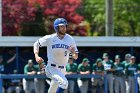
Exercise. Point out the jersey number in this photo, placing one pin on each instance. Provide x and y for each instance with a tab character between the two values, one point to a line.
65	53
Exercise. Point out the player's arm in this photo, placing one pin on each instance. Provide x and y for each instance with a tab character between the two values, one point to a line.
73	52
36	52
75	55
39	43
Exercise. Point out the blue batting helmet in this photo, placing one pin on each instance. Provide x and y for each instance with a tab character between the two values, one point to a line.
58	22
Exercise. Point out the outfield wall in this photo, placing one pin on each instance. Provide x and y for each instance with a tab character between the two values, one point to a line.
81	41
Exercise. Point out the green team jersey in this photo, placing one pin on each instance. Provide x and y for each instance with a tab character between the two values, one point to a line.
139	66
83	68
125	62
29	69
131	69
119	69
108	65
37	68
97	68
71	68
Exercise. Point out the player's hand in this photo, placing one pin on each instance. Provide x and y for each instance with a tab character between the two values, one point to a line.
39	59
72	49
42	66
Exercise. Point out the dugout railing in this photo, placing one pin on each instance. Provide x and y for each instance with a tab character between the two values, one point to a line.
21	76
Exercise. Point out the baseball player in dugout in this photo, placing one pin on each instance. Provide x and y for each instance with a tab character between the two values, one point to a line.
83	69
109	70
131	70
71	69
97	83
119	82
59	46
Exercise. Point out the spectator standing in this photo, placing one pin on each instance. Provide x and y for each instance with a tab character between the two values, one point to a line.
131	70
3	63
71	69
28	84
15	84
109	69
119	83
83	69
98	69
40	82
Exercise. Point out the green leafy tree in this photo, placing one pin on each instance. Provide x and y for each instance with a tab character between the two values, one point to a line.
126	17
94	13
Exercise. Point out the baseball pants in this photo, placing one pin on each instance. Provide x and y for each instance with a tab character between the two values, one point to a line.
57	76
119	85
83	85
138	79
110	80
39	85
131	84
70	87
98	84
28	86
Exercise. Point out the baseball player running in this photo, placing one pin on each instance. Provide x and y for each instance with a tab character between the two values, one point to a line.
59	46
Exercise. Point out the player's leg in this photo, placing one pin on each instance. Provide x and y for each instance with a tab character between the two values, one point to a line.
71	86
9	90
18	89
58	84
133	84
83	85
26	86
101	83
94	84
129	84
57	78
53	87
122	85
62	81
3	90
53	84
110	82
138	79
116	84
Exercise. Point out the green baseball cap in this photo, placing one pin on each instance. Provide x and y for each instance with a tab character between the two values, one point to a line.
99	60
85	60
30	61
128	55
105	55
117	56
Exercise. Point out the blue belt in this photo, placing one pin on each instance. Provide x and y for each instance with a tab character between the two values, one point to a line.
54	65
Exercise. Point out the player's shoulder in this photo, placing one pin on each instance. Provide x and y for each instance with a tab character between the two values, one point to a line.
50	36
69	37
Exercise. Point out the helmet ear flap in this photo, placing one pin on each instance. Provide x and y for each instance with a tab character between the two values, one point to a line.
57	28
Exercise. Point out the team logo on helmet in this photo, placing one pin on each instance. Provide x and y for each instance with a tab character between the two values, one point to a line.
58	22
